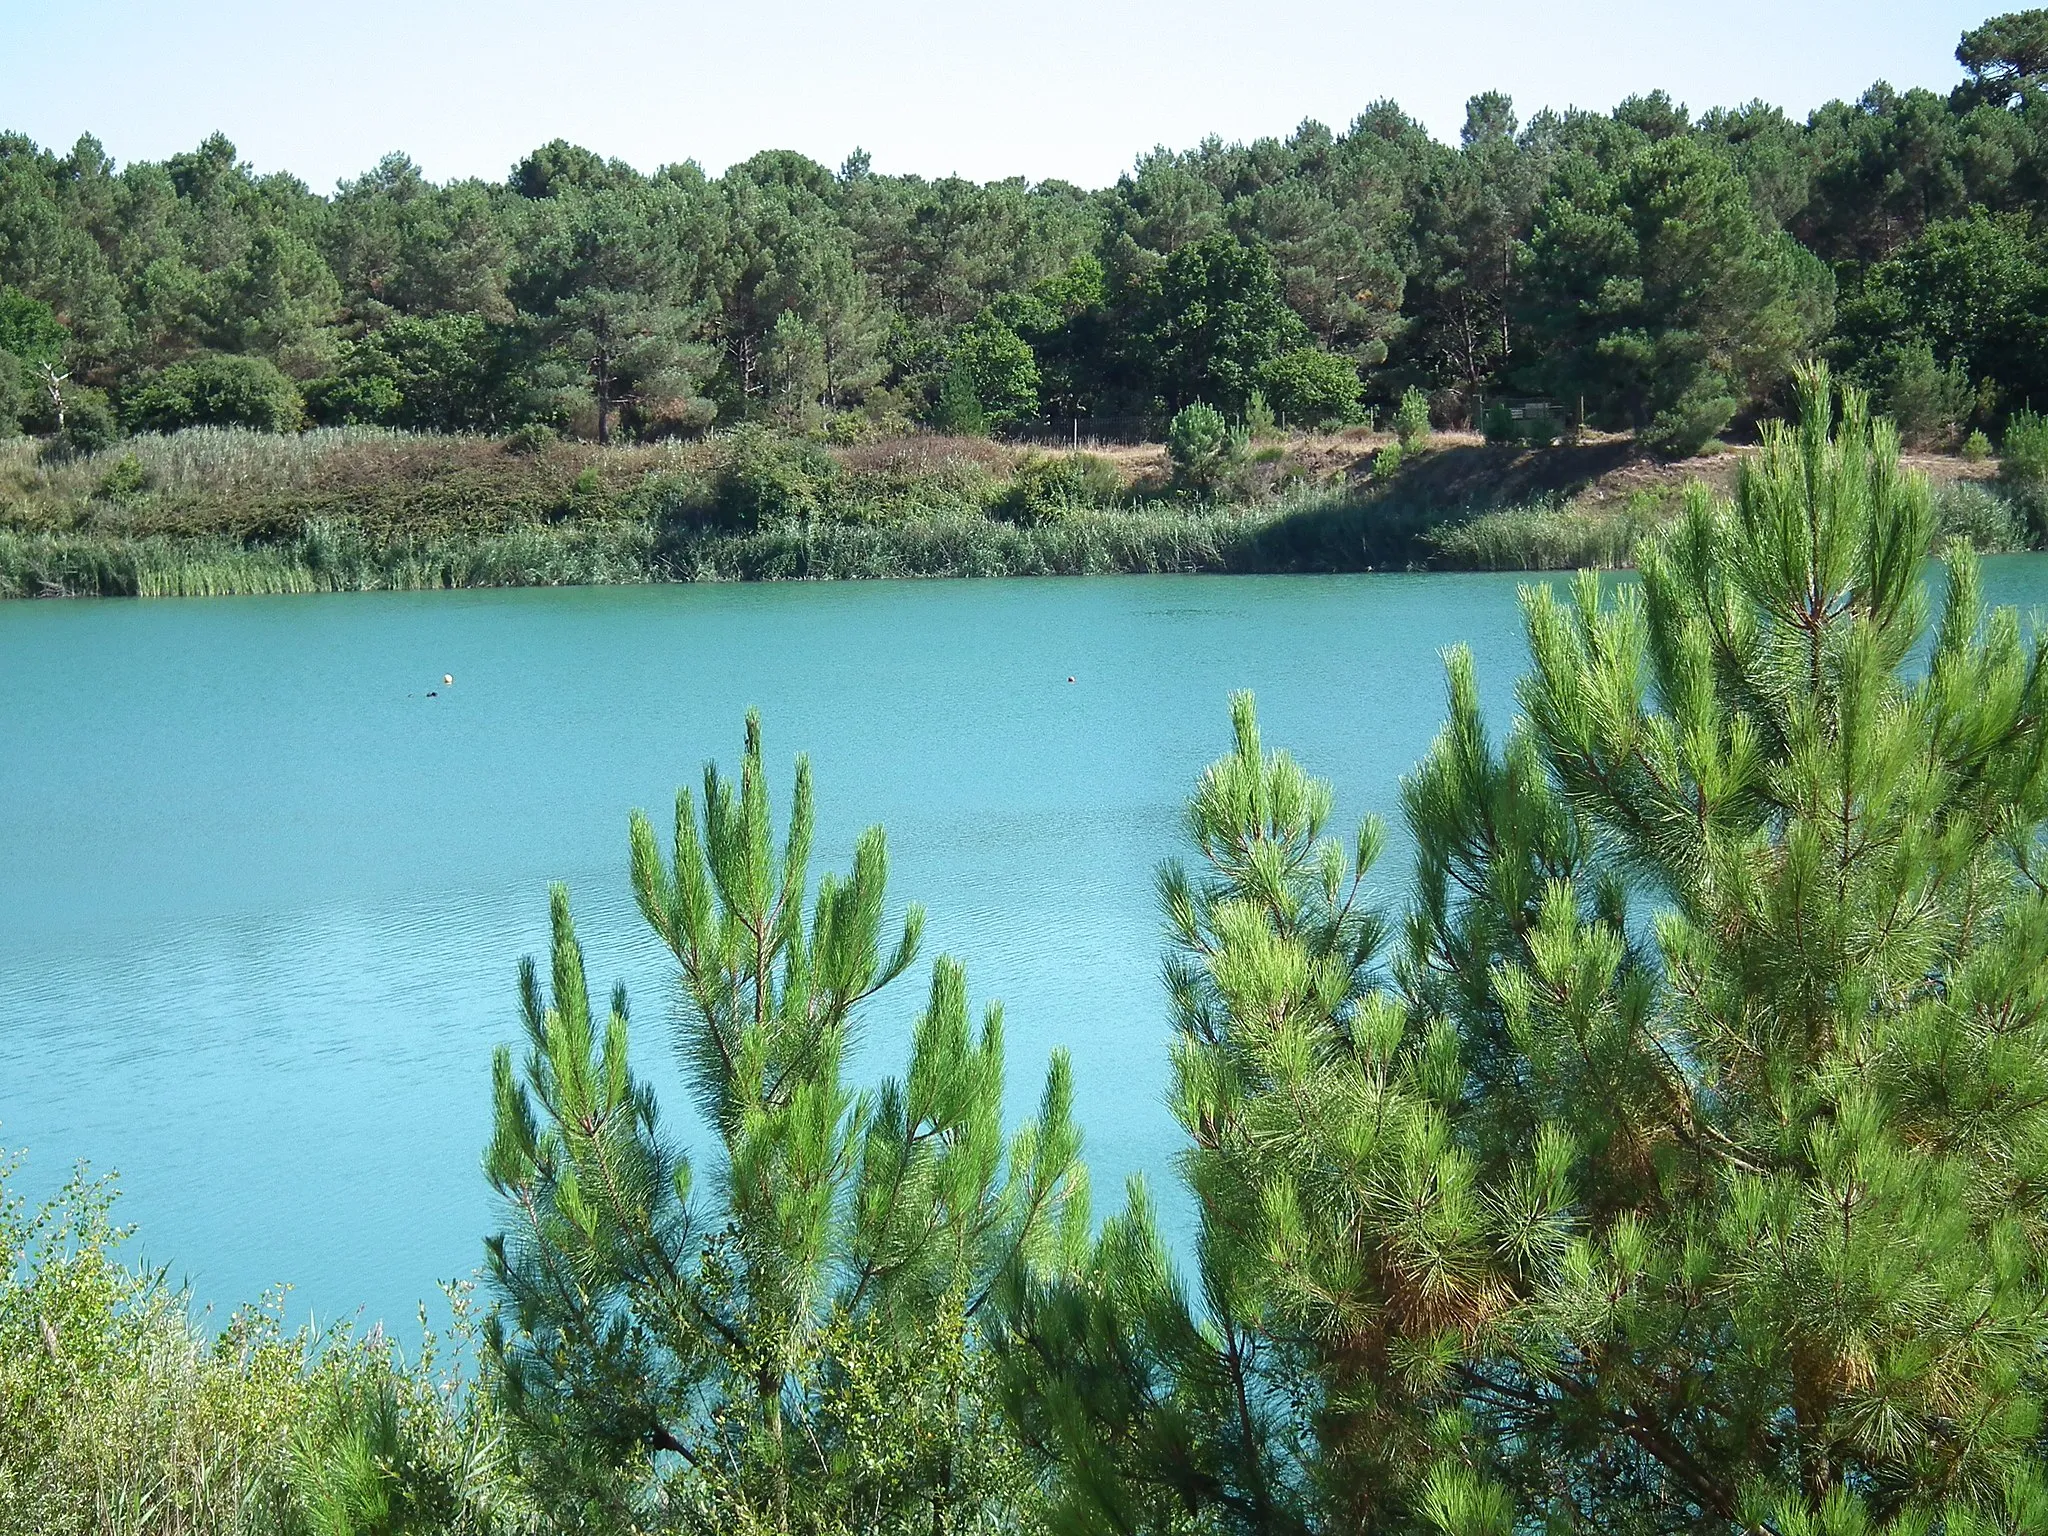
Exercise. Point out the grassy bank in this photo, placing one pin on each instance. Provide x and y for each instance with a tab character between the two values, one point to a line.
207	513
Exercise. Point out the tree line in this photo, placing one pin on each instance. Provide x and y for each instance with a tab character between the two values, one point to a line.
1641	269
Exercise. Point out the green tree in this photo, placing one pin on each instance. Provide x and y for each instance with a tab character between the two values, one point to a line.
1207	319
2006	56
1682	1171
1973	292
1201	444
215	391
1656	293
792	1351
998	365
1411	419
451	373
1311	388
32	372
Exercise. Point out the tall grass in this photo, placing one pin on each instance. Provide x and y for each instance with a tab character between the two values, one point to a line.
1548	536
121	1416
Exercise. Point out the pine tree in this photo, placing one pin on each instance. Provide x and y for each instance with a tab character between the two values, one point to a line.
801	1342
1683	1167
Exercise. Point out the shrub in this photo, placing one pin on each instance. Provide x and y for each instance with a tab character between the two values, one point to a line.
1201	444
124	477
845	429
1498	424
89	423
1992	523
1387	462
765	478
1411	419
2023	454
15	393
1048	488
1692	422
1259	419
998	367
1927	401
1311	387
1976	447
530	440
958	411
216	391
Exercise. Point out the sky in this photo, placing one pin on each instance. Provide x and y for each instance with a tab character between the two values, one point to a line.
1058	88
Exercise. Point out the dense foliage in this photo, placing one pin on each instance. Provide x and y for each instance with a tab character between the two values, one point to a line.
1675	1161
1655	271
1670	1156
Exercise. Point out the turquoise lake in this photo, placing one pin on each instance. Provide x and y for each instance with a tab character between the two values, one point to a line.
264	899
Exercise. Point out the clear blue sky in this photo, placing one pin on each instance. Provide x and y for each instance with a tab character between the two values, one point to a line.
1063	88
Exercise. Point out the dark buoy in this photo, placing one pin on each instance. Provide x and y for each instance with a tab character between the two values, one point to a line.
1070	679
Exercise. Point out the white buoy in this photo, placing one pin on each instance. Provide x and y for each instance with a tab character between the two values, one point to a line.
447	679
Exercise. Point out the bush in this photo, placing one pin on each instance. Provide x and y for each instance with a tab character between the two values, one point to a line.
1498	424
1926	401
958	412
1310	387
530	440
118	1412
1976	447
1689	425
216	391
1201	444
1049	488
1387	462
1411	419
2023	454
766	478
89	424
124	478
15	393
1993	524
997	365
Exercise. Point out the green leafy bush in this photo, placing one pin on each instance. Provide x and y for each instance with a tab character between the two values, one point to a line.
121	1414
958	411
997	365
89	423
1976	447
1498	424
1387	462
124	477
531	439
764	478
1046	488
1310	387
216	391
1411	419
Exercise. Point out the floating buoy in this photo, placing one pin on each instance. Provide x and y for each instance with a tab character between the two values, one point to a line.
1070	679
447	679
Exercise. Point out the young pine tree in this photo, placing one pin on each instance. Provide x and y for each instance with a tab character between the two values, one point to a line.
1685	1169
796	1351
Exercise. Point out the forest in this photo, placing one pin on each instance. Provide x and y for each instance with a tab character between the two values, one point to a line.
1642	270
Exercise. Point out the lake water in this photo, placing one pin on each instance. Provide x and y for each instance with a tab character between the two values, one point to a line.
262	900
